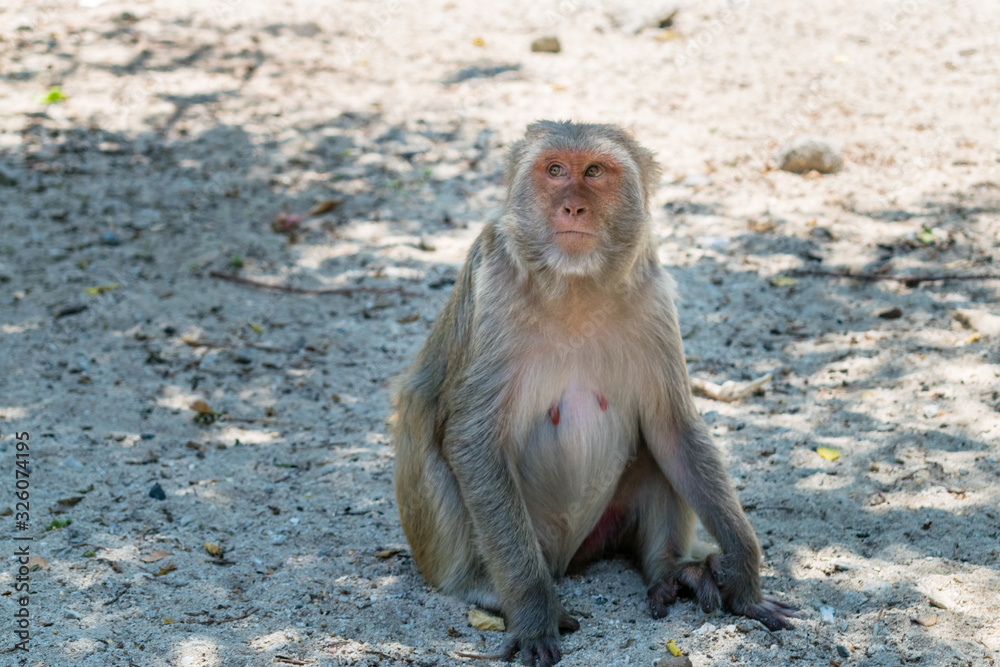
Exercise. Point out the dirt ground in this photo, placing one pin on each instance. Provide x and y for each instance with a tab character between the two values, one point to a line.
201	137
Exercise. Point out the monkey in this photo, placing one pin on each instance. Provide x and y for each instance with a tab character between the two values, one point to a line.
548	419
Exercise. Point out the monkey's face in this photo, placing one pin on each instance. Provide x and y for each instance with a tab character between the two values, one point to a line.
577	199
576	191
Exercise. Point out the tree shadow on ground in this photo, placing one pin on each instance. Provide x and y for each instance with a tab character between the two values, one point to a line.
297	384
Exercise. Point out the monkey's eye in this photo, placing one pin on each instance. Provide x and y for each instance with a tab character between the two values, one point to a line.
556	170
593	170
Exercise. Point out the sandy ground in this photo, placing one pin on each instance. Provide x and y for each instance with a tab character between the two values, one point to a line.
191	127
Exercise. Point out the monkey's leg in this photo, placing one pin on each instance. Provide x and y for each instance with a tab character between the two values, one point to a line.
694	468
439	529
662	539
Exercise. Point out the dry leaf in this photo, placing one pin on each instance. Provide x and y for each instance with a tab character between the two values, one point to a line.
324	206
153	557
37	561
480	620
166	569
972	339
828	453
69	502
672	647
784	281
101	289
201	407
761	227
387	553
213	549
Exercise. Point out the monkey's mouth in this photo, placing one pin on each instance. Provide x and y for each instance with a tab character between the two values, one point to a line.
575	242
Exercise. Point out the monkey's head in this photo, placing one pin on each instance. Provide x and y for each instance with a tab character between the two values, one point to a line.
578	199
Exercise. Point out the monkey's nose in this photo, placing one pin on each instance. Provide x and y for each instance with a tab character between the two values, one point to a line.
574	210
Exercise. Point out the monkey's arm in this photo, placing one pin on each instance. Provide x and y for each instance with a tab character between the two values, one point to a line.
475	450
682	446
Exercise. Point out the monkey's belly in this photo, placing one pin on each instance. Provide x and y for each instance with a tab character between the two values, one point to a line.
570	466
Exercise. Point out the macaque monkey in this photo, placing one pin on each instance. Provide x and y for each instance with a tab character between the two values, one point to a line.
548	419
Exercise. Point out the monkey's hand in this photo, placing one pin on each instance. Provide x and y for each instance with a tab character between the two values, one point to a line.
739	585
542	647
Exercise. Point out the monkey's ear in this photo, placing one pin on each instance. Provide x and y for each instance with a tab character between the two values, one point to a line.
514	157
649	169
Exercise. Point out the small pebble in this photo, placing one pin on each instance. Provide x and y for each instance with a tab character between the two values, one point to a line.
157	493
706	629
826	615
940	600
805	154
695	180
679	661
210	360
842	651
71	462
891	314
110	237
546	45
147	436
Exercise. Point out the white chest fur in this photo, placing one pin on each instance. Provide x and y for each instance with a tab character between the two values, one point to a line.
574	430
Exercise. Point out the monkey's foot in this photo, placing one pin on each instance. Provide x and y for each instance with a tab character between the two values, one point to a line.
772	612
695	579
543	651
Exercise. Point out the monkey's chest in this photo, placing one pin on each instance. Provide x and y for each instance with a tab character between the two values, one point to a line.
574	451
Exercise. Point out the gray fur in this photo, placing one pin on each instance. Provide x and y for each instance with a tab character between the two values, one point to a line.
494	497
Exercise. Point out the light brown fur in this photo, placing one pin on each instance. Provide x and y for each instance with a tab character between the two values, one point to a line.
548	418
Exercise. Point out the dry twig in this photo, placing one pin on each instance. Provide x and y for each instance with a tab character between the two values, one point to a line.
729	391
911	281
212	621
119	596
290	289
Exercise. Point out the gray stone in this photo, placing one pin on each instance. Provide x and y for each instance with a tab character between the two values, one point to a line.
804	154
546	45
981	321
632	17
